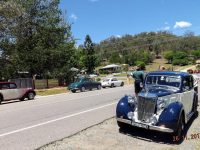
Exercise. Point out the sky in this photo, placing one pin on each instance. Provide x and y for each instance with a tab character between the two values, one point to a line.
102	19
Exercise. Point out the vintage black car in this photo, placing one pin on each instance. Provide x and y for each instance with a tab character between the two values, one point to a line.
166	103
84	83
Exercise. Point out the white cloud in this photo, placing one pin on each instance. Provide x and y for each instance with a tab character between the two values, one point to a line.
118	36
74	17
182	24
166	28
94	0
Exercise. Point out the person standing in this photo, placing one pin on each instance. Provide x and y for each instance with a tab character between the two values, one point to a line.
138	75
128	79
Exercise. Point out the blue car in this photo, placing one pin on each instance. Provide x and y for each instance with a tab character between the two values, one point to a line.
83	84
166	103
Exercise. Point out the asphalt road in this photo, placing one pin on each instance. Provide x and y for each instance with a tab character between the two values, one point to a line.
31	124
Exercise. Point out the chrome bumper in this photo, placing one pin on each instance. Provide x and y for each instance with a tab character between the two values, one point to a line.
150	127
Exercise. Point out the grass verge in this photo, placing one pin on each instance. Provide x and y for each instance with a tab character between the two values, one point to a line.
44	92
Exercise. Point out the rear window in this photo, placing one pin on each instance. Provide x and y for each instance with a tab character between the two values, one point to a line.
5	86
13	86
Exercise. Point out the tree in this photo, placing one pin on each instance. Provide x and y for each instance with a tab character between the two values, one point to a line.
196	54
90	59
169	56
40	42
115	58
180	58
45	35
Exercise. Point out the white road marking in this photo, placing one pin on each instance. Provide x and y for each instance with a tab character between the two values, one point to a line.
54	120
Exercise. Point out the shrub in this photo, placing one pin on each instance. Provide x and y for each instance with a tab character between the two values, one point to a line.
98	79
181	62
141	64
198	67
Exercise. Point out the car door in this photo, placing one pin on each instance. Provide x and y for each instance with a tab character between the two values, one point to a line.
8	93
17	93
92	84
188	94
86	83
116	82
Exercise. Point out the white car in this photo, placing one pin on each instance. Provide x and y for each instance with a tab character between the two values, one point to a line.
111	82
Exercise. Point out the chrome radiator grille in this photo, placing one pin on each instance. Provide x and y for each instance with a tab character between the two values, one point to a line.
146	108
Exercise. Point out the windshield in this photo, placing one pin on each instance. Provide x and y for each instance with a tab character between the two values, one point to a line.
78	80
174	81
106	80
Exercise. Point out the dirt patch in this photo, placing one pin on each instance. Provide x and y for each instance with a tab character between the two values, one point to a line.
107	135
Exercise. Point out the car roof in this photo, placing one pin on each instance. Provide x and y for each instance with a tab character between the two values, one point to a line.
171	73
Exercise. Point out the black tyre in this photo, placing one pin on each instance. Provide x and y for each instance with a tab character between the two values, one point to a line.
195	104
73	91
83	89
22	99
179	132
112	85
1	99
122	84
99	87
121	125
31	96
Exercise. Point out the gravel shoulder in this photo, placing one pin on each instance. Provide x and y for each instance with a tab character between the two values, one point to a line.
107	135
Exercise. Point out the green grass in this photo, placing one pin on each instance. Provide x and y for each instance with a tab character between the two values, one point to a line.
162	62
121	75
44	92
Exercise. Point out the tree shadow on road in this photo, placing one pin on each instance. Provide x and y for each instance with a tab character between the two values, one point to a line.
155	136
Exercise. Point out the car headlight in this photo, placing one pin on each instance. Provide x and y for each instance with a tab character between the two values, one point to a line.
153	120
130	115
132	100
161	103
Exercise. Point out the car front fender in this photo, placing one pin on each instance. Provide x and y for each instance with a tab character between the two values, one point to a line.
123	108
170	115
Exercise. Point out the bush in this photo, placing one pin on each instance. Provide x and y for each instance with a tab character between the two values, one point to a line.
141	64
169	56
198	67
98	79
181	62
103	72
180	55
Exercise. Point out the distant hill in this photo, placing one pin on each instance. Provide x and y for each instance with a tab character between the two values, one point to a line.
144	46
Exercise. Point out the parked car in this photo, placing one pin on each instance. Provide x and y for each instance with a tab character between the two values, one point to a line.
84	83
9	91
111	82
166	103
